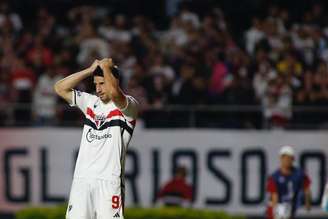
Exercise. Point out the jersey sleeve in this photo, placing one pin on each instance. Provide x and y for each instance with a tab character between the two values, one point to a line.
271	185
130	112
80	99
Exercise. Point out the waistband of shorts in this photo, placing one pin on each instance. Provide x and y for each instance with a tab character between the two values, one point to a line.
94	178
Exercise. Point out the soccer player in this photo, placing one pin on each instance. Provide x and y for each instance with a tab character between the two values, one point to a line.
288	188
97	190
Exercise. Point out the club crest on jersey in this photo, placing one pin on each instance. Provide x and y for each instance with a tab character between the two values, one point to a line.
99	120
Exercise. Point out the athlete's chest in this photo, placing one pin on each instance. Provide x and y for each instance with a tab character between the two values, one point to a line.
291	182
100	114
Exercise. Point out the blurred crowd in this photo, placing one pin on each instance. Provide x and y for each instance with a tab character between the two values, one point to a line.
279	62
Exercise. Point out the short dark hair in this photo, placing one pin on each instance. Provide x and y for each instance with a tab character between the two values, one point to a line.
181	171
114	69
98	72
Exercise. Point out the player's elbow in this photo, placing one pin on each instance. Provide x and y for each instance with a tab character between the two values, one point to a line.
59	89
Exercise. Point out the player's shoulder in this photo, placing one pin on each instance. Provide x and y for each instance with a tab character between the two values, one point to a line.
276	174
298	171
84	94
87	98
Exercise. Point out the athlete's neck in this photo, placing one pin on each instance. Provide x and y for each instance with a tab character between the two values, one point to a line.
105	101
286	170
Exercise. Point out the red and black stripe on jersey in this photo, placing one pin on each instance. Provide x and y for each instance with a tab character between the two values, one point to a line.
121	121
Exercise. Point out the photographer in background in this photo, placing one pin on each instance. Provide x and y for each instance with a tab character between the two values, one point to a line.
288	187
176	192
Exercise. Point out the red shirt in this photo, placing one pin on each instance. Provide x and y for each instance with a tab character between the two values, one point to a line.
22	78
177	186
45	54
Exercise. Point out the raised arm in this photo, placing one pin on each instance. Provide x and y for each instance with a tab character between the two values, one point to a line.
112	83
64	86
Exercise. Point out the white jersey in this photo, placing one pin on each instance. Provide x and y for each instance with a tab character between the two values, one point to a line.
106	134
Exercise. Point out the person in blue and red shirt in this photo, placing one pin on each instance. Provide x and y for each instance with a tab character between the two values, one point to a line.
288	188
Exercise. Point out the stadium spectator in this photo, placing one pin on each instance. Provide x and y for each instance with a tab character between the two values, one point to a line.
220	77
182	90
45	99
4	98
265	72
39	56
91	45
254	35
228	66
305	94
119	32
176	192
9	19
277	103
188	16
23	81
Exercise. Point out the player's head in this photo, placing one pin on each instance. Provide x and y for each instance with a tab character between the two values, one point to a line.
181	172
99	82
287	156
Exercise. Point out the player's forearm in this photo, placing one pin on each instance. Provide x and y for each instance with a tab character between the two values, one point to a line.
308	199
274	200
115	92
71	81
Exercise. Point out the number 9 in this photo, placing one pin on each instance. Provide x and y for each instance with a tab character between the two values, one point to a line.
115	201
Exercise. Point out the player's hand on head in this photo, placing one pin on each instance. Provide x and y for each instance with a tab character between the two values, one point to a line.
94	65
106	63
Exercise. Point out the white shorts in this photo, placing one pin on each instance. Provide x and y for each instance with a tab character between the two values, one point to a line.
95	199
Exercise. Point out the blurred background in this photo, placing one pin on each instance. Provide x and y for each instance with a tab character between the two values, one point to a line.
222	84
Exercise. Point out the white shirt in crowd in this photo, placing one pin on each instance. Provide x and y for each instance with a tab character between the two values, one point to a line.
45	98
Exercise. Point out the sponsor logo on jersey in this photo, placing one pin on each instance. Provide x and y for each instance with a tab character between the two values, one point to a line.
91	135
116	215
